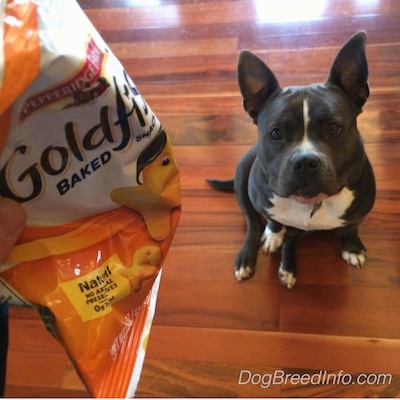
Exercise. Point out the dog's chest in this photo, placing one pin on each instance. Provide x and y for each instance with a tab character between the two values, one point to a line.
308	217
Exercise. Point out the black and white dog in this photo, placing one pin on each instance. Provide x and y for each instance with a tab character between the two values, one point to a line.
308	171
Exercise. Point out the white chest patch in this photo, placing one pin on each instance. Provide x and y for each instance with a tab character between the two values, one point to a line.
309	217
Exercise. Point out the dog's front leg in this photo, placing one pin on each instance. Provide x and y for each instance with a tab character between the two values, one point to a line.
288	269
246	258
273	236
353	250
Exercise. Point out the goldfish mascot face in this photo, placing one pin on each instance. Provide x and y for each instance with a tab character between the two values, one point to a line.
159	189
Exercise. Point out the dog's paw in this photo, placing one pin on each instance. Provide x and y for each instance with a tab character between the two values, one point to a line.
243	273
272	241
245	261
355	259
287	279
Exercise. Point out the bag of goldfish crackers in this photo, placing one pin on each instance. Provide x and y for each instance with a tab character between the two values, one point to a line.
84	154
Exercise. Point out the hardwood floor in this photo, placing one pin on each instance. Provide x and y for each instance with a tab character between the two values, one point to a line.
209	329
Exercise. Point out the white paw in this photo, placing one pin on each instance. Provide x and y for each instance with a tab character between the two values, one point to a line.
355	259
272	241
243	273
287	278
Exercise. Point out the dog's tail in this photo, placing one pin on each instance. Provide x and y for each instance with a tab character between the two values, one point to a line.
222	185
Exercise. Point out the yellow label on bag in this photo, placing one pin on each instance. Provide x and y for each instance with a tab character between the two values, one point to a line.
93	294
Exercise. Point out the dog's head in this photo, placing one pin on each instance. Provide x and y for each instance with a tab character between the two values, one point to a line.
308	143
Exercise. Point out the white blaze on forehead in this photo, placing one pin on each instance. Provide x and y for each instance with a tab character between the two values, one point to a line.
306	145
306	118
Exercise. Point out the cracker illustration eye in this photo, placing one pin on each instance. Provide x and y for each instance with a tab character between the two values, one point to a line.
165	161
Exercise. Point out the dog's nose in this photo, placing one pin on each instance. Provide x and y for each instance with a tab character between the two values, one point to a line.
305	163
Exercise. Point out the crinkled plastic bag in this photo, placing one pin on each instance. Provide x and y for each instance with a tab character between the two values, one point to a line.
94	169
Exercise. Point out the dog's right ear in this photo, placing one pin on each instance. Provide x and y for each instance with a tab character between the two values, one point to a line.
256	82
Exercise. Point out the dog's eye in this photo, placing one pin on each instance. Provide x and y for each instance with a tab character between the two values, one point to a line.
333	129
276	134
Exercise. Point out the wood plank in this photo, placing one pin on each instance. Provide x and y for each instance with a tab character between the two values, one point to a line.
289	66
359	311
220	305
276	349
179	48
36	368
155	16
183	379
21	391
167	378
25	323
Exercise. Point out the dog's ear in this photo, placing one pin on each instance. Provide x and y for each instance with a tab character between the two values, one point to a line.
256	82
349	70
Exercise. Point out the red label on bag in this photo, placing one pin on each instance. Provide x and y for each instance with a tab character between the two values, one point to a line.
80	87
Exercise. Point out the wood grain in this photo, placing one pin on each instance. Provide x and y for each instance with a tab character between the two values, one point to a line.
208	327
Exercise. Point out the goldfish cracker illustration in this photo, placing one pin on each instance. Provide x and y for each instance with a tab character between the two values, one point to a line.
145	265
87	158
159	193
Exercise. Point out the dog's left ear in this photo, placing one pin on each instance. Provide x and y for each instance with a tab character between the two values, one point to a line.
349	70
256	82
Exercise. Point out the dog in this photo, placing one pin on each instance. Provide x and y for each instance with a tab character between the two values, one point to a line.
308	170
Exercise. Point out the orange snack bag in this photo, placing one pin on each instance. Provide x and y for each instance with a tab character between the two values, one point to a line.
90	162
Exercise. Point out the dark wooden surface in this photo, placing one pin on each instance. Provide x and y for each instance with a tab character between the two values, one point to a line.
208	327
